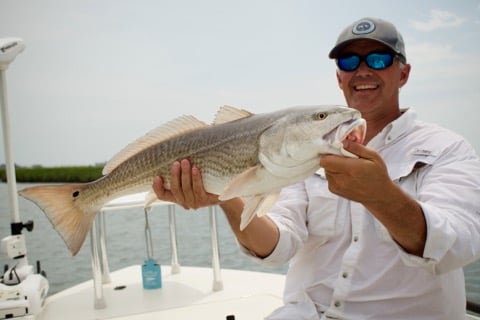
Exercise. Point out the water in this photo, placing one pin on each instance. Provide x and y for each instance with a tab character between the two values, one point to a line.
126	244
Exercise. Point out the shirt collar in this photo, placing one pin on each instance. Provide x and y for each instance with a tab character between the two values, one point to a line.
395	129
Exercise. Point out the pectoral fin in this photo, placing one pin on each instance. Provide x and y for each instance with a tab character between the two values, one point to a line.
239	184
254	181
258	205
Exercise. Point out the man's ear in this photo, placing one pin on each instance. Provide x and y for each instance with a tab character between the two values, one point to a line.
339	81
404	74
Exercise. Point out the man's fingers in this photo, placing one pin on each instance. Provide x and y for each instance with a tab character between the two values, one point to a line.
334	162
176	183
186	178
197	185
186	187
160	191
157	187
360	150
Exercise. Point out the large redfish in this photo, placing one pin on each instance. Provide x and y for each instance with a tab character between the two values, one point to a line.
240	155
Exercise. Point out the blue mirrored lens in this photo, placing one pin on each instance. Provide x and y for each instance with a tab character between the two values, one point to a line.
378	61
348	63
374	60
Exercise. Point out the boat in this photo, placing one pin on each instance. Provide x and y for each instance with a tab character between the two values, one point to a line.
178	292
143	292
137	292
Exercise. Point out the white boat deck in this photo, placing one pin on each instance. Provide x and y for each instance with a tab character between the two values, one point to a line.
185	295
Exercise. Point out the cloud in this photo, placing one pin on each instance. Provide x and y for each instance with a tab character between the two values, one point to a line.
439	19
428	53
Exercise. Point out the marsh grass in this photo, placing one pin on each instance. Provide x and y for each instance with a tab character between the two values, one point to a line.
55	174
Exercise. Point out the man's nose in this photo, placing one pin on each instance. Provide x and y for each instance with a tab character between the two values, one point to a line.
363	69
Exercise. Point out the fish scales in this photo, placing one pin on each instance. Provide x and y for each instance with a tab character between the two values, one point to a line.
223	150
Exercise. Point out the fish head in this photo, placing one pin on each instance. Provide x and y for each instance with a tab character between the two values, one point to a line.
303	134
323	131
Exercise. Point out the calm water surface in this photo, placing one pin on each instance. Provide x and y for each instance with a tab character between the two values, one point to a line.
126	244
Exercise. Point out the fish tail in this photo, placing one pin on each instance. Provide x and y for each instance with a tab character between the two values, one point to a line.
62	205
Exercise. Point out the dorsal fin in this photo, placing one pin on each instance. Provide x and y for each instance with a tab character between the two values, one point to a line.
164	132
228	113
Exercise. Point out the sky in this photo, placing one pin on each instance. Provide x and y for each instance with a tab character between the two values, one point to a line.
97	75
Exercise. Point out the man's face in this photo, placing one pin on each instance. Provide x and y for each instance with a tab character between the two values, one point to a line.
372	92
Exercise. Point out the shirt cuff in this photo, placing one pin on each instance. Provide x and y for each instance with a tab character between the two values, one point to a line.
440	234
440	239
279	255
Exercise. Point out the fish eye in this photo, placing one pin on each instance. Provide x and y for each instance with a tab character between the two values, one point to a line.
321	116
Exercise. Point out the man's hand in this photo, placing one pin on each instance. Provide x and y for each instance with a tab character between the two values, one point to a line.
187	190
186	187
362	180
366	180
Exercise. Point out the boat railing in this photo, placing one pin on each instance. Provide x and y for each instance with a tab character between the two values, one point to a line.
99	258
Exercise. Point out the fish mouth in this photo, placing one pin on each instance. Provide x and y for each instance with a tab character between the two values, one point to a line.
352	130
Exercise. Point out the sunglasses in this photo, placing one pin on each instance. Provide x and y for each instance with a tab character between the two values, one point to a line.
374	60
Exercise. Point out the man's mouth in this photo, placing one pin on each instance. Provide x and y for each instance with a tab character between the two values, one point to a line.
361	87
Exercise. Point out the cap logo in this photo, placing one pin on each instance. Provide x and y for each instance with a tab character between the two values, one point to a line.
363	27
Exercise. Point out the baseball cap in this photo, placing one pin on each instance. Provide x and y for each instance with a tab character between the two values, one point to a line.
372	29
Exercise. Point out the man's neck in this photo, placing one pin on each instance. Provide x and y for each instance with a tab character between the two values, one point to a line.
376	123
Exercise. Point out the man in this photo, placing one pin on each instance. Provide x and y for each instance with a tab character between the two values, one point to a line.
384	236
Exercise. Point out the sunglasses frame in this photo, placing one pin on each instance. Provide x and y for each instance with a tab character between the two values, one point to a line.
366	59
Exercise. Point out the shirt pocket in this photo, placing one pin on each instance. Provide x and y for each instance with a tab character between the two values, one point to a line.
322	219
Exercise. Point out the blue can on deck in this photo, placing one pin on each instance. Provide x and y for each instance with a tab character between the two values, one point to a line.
151	274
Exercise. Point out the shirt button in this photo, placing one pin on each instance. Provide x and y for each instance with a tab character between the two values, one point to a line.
337	304
355	239
345	275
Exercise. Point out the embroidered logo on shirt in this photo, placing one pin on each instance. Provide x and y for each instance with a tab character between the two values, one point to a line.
422	152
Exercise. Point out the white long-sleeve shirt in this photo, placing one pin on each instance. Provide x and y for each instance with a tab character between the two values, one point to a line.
344	263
